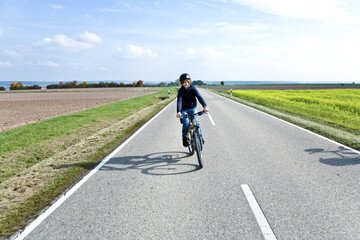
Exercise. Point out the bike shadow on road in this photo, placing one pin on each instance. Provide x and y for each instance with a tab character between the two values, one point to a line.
340	157
160	164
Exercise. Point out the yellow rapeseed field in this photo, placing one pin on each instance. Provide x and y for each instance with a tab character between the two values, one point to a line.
337	107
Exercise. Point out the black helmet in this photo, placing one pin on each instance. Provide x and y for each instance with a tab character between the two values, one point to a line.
184	76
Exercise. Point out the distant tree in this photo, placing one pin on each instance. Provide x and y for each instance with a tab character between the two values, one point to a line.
101	84
13	86
222	83
122	84
2	88
113	84
198	82
134	84
21	86
140	83
162	84
52	86
92	85
176	83
33	87
67	85
16	86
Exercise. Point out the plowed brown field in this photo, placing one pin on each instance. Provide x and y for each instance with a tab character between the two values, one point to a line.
24	107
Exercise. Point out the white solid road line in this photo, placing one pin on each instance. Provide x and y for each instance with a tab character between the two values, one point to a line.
62	199
259	215
211	119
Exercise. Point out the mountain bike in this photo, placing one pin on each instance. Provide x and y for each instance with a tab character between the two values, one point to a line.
195	140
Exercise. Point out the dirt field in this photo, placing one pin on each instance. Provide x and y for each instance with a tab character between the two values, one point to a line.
23	107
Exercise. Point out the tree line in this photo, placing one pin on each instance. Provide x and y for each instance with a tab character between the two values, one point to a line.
101	84
19	86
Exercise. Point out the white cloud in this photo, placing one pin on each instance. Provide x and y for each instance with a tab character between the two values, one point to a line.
112	10
57	6
124	7
204	28
323	10
103	69
301	59
325	56
12	54
49	64
229	27
90	37
225	28
208	53
63	42
132	51
5	64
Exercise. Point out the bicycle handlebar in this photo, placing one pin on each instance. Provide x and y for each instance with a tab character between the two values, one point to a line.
198	113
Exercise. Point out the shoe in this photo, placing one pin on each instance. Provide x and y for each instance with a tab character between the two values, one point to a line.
185	142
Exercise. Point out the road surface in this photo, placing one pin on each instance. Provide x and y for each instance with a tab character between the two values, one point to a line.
263	179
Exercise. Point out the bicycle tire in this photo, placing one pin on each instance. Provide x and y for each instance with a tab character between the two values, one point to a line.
191	144
198	148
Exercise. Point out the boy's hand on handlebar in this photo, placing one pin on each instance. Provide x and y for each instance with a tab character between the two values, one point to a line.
179	115
206	110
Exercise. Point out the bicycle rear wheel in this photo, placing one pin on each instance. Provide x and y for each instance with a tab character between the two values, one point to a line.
191	144
198	148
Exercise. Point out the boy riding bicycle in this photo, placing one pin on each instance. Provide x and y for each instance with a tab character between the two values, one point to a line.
186	104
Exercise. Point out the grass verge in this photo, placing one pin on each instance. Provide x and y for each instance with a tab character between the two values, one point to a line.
39	168
342	135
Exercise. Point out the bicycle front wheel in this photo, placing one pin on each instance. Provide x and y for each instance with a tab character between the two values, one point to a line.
198	148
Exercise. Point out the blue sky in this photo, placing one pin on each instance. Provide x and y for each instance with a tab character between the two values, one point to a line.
212	40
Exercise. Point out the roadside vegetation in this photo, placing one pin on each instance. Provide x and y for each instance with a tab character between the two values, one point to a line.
101	84
39	161
20	86
333	113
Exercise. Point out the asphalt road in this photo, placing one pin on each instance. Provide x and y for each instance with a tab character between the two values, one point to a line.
306	186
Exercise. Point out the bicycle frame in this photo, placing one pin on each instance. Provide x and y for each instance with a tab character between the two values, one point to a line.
193	124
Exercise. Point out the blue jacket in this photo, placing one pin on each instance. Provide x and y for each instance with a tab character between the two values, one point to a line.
186	99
